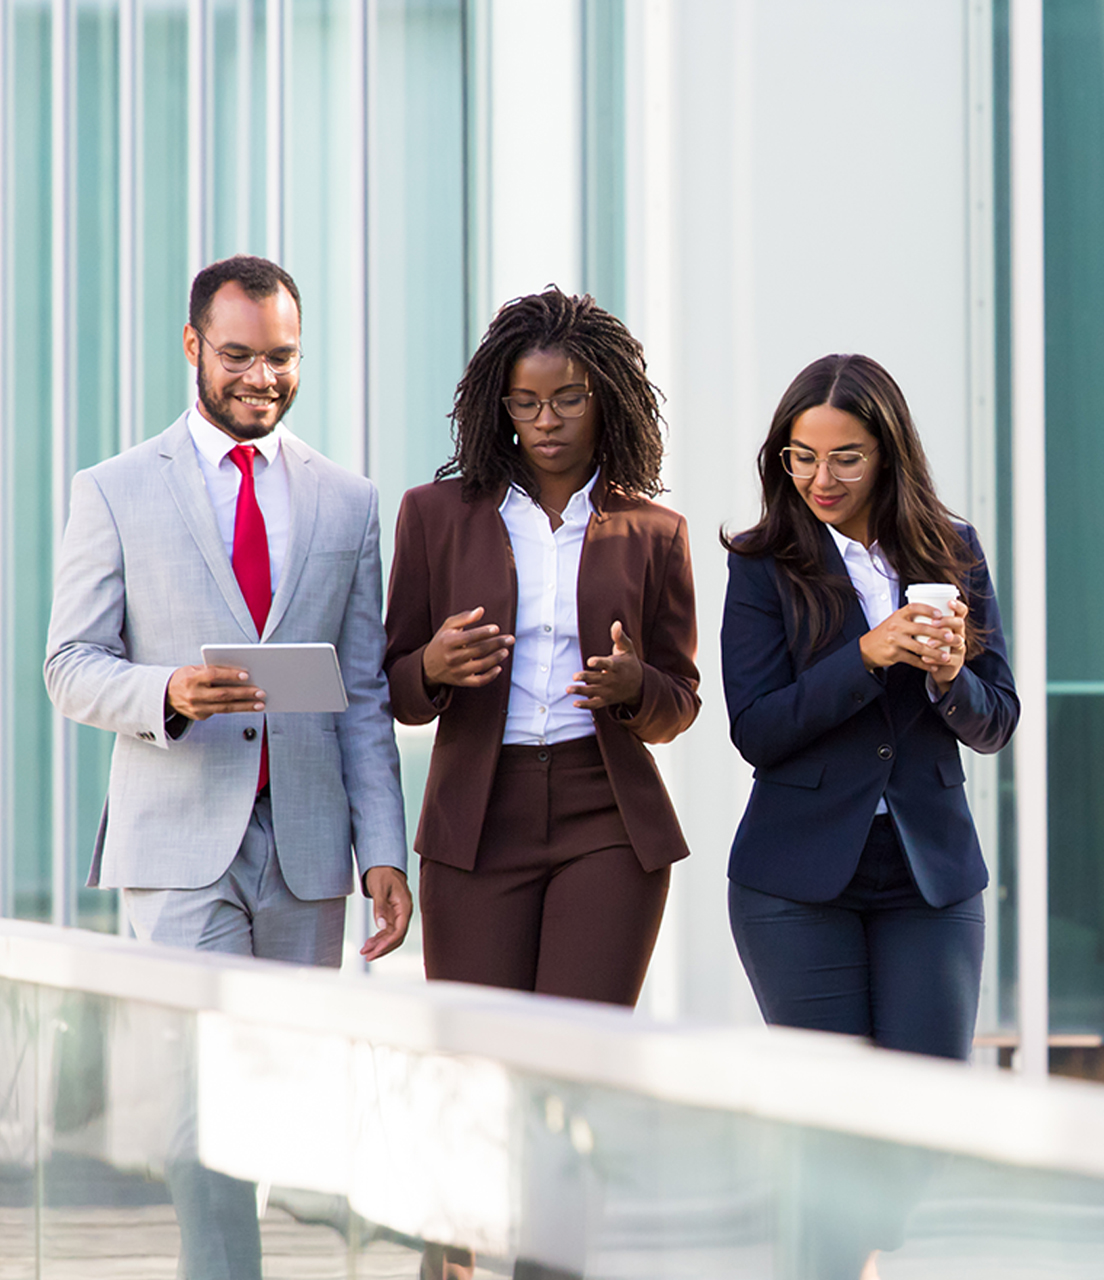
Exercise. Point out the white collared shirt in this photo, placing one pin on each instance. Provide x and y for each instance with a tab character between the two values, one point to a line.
872	576
223	480
546	654
876	582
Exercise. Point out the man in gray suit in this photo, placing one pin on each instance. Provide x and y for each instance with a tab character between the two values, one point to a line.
146	577
228	829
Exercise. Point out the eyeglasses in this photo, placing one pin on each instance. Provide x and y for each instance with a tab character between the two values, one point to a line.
235	359
846	465
568	404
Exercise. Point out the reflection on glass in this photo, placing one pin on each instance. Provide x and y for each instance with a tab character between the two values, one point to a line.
1076	894
354	1155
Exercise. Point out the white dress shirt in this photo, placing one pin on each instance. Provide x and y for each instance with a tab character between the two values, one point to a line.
876	582
872	576
546	654
223	480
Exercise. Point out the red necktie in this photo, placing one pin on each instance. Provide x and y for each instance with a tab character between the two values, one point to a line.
250	559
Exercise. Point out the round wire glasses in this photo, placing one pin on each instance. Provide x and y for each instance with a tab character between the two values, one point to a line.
846	465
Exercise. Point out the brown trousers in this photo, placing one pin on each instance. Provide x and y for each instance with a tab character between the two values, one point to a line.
558	902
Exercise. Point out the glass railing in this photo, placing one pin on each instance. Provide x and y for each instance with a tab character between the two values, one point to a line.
346	1126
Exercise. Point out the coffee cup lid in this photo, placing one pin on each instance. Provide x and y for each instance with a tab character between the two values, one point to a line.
930	592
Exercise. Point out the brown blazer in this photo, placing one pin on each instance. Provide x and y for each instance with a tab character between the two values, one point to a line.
451	556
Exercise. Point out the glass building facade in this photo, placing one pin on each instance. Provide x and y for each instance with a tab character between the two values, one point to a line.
750	183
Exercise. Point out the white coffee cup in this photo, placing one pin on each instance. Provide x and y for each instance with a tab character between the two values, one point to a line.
937	596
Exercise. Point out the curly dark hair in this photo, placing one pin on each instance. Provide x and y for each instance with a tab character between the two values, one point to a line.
913	529
258	277
630	442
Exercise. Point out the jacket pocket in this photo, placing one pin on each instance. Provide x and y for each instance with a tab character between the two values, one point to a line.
342	553
793	773
951	771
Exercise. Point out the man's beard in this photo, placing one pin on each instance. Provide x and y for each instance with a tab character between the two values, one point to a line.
218	409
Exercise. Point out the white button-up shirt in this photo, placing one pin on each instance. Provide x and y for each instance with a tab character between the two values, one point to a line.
872	576
546	633
223	480
876	582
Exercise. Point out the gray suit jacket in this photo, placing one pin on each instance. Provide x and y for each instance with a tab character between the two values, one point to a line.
143	581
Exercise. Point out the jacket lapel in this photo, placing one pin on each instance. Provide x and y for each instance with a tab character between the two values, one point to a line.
854	622
182	476
593	588
303	502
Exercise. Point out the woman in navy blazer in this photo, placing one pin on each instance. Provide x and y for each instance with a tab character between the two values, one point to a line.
856	873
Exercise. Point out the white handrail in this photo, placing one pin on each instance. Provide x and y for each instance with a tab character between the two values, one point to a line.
793	1077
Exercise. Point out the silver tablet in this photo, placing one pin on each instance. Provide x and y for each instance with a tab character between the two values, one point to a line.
295	677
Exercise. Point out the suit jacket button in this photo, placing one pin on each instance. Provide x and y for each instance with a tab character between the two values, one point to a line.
249	734
885	751
857	697
951	710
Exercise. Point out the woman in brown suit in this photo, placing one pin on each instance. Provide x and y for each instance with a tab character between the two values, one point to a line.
542	609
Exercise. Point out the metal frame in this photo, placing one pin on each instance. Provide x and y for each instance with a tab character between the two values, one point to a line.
364	320
7	752
364	155
478	53
130	330
62	307
277	22
983	771
243	196
200	135
1029	524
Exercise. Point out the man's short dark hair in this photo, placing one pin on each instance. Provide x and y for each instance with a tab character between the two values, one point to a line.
258	277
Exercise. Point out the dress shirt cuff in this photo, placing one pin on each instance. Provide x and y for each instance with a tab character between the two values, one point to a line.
176	725
933	689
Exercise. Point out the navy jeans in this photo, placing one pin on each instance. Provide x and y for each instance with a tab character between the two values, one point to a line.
877	961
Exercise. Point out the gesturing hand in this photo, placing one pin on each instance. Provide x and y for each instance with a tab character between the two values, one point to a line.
901	638
202	692
463	654
391	907
610	681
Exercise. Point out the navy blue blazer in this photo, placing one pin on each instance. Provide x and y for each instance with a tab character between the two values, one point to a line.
828	738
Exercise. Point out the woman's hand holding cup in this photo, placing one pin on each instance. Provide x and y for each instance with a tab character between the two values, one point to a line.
947	613
929	633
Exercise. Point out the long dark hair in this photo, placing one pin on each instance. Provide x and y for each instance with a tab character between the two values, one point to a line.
630	443
913	529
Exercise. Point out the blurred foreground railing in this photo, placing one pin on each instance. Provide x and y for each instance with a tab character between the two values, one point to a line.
376	1115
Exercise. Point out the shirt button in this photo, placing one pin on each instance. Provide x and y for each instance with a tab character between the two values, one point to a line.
543	710
885	751
546	627
544	666
249	734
